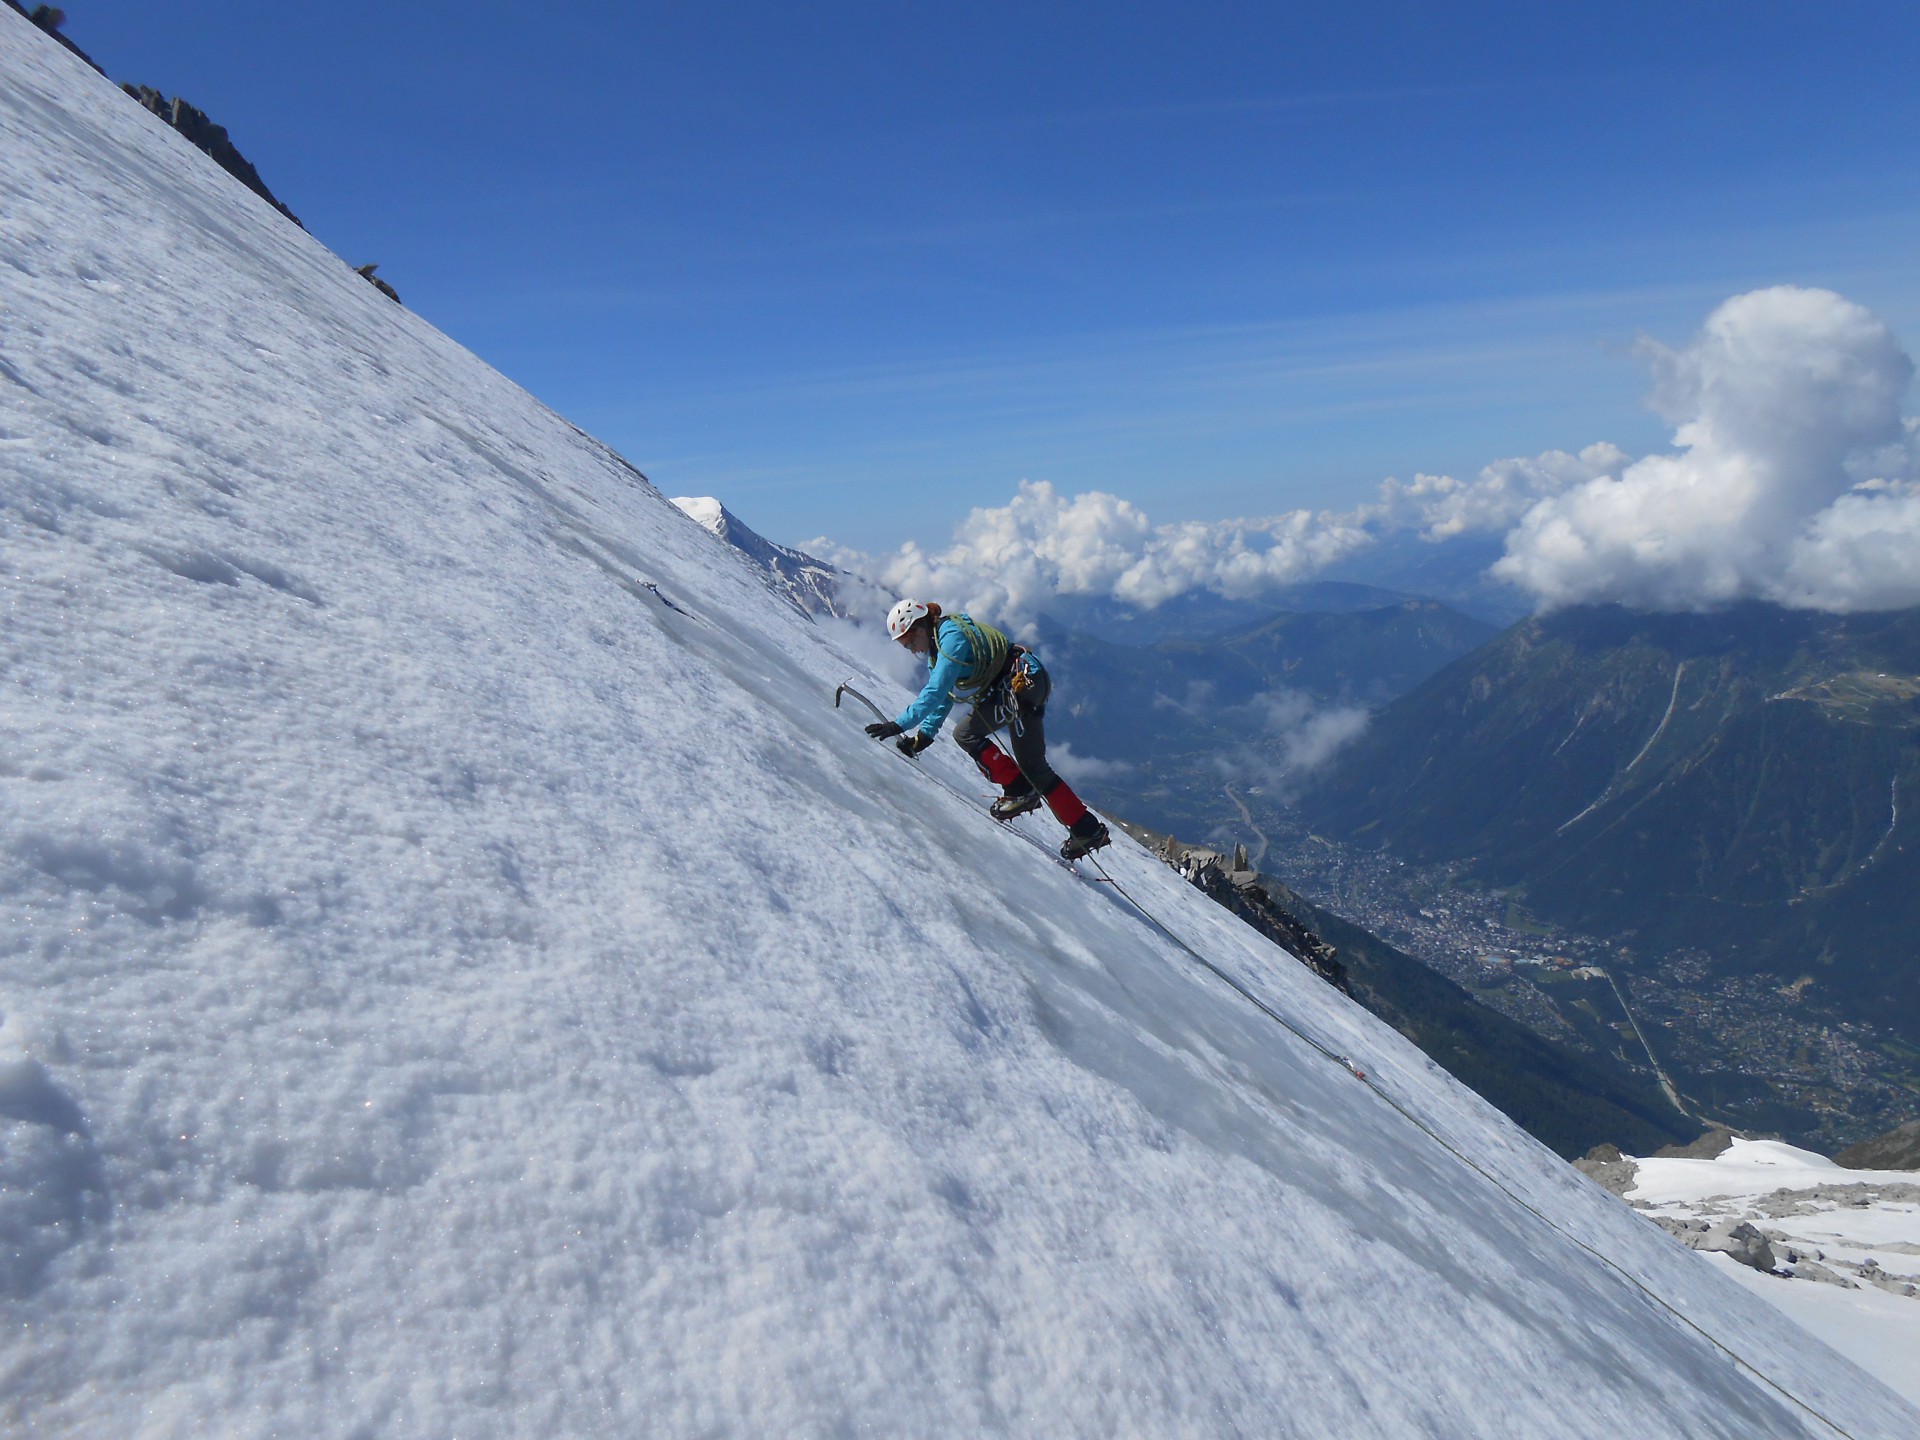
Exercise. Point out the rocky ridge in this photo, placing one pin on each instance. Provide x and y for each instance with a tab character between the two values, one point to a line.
1898	1149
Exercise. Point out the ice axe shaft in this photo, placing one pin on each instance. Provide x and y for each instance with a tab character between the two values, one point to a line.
846	689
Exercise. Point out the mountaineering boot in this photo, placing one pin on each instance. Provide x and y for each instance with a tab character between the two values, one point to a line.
1014	803
1086	836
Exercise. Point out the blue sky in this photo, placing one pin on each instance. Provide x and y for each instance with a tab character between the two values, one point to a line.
856	268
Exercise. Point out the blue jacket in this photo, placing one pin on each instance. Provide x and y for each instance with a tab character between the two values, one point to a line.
951	660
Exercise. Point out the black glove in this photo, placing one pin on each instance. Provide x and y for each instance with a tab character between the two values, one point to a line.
883	729
912	745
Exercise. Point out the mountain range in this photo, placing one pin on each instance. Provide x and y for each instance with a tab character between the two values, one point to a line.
1155	705
1200	615
1742	783
813	587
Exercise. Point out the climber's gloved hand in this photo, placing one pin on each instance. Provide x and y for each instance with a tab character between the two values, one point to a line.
883	729
912	745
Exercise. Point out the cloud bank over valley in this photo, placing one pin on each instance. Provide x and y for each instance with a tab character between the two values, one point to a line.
1794	477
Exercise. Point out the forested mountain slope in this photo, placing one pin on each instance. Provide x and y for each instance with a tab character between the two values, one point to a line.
1745	781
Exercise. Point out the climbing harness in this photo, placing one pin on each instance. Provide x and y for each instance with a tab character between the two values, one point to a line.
1022	670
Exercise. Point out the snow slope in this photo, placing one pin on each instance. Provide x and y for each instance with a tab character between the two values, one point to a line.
1844	1242
449	990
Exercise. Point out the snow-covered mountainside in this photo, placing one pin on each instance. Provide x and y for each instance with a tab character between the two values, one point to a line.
461	976
813	585
1843	1245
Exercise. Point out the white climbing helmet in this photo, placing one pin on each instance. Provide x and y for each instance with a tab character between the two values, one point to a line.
901	618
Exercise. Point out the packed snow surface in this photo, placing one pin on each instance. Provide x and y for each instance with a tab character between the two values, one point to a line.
461	977
1846	1243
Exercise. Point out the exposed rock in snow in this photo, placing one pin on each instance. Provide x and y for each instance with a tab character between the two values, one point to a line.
1797	1216
1608	1168
1735	1238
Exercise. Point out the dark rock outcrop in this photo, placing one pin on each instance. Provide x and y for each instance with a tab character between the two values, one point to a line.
1716	1142
189	120
213	139
1898	1149
1608	1168
1235	884
49	19
365	272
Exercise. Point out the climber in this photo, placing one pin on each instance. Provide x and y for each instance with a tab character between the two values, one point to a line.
1007	687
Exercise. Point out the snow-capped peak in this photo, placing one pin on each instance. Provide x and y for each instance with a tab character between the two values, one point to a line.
704	510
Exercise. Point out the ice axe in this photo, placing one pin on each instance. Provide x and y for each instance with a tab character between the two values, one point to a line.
846	688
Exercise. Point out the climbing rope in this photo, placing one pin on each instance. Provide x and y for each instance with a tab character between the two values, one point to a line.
1347	1063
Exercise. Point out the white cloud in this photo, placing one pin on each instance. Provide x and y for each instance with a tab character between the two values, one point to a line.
1009	561
1306	733
1861	553
1792	479
1788	483
1441	507
1288	734
1084	769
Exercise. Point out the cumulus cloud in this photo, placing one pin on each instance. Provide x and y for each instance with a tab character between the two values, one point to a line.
1791	479
1861	553
1308	733
1010	560
1441	507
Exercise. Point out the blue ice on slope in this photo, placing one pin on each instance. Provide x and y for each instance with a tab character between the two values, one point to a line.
443	990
